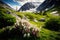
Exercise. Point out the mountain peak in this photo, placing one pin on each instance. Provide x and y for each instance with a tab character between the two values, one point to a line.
29	5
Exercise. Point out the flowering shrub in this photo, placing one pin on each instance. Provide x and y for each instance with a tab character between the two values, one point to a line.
27	29
23	31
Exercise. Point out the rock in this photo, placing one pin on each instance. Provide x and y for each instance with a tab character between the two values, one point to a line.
8	12
54	12
42	20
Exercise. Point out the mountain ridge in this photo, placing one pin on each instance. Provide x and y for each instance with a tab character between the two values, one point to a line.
29	5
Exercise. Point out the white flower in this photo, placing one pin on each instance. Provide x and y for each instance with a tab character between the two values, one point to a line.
28	34
25	35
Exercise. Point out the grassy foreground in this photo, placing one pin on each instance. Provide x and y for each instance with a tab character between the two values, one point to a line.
36	20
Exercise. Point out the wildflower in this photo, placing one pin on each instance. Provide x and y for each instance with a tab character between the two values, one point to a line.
28	34
25	35
27	30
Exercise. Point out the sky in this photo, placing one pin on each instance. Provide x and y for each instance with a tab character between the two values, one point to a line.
18	3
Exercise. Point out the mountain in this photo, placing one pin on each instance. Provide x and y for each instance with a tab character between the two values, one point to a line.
48	4
44	5
29	5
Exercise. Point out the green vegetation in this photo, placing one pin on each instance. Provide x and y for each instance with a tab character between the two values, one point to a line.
14	32
53	23
6	19
45	33
49	35
20	14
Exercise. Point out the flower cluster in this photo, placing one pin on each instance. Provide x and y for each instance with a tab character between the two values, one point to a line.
28	29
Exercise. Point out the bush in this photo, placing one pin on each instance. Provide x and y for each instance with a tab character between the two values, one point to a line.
53	24
20	32
6	20
17	33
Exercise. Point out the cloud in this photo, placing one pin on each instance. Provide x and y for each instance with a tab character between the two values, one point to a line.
30	0
16	7
22	2
19	0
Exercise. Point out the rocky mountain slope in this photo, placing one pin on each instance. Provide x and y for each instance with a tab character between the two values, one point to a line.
29	5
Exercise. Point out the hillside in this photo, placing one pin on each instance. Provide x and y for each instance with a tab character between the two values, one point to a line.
4	5
28	25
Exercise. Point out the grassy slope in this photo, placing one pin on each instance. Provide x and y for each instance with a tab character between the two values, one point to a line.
44	33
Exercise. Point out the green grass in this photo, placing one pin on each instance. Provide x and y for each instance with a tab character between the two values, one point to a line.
49	35
38	24
31	17
45	34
